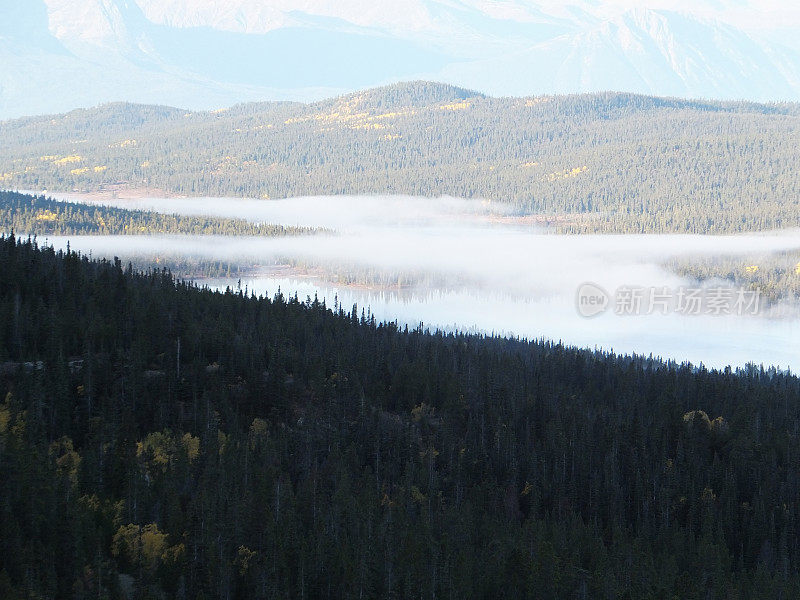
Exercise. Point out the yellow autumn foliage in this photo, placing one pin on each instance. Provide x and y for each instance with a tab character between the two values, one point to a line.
20	423
156	451
697	416
244	556
421	412
68	160
254	128
112	510
394	115
5	413
145	546
153	543
567	173
368	126
707	496
296	120
192	446
539	100
124	144
455	106
79	171
173	554
66	458
46	215
259	429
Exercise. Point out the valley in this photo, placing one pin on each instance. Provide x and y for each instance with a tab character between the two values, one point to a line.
587	163
426	300
461	265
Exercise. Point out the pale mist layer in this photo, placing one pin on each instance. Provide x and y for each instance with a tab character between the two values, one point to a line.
475	268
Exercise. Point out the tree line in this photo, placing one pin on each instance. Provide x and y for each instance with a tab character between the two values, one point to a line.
40	215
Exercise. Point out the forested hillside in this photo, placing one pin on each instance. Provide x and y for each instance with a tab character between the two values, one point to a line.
776	275
160	440
633	163
38	215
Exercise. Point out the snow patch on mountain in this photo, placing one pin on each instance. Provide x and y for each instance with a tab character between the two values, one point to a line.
59	54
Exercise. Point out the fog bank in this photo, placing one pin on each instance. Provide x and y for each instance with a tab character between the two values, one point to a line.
499	274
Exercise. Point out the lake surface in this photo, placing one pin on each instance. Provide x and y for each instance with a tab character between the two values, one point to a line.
467	265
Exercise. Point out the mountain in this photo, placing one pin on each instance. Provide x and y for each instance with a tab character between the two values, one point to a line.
608	162
159	440
645	51
61	54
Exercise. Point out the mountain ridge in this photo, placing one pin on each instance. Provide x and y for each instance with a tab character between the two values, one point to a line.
613	162
207	55
388	95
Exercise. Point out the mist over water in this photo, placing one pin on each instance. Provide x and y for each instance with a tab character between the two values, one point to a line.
470	265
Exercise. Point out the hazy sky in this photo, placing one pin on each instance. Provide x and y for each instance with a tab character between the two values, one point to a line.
206	54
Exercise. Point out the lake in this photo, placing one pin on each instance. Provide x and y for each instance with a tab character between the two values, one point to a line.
468	265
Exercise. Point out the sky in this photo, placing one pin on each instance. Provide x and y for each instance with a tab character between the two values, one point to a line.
206	54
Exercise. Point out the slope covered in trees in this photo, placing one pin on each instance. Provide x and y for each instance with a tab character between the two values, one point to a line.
161	440
776	275
630	163
36	215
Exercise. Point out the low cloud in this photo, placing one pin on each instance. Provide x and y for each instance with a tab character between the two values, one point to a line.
494	275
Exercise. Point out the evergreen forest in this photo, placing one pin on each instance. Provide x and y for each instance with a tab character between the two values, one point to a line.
162	440
609	162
